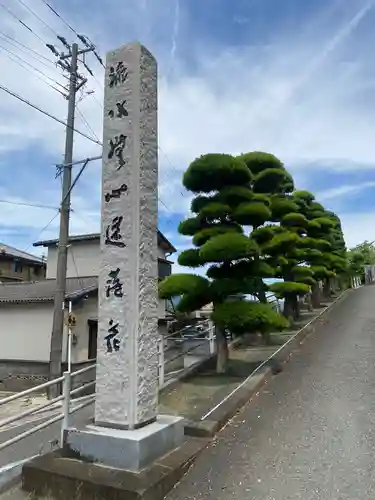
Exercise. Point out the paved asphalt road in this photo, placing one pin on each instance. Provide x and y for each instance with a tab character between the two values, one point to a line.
310	434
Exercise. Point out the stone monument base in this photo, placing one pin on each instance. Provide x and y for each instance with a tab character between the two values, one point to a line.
132	450
62	475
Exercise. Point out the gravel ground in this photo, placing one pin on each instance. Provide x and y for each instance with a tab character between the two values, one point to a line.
310	434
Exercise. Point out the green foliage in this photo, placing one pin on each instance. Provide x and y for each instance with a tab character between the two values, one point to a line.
223	287
282	206
252	214
201	201
317	207
302	271
258	161
307	280
227	247
322	245
270	180
324	222
313	225
282	243
201	237
234	195
244	316
360	256
190	226
282	290
180	284
294	219
264	234
215	210
190	258
262	198
303	195
215	171
320	272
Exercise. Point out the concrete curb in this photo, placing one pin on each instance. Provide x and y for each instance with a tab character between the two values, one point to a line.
217	417
10	474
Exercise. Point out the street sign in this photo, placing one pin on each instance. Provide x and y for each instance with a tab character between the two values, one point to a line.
71	321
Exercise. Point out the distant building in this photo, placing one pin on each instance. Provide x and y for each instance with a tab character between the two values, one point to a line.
26	311
16	265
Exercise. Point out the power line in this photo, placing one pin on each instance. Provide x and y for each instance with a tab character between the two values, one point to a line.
22	23
37	17
34	106
83	39
22	46
33	67
59	16
36	75
25	204
86	123
37	237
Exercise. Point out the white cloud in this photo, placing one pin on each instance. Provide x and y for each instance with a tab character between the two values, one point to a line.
340	191
358	227
305	102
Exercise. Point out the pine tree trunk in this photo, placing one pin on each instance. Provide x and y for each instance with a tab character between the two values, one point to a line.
288	307
315	296
296	308
327	288
262	295
267	338
222	351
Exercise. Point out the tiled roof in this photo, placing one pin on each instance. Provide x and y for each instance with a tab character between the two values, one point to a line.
43	291
19	254
162	241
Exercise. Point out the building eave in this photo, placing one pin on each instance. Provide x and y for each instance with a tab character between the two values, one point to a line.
162	241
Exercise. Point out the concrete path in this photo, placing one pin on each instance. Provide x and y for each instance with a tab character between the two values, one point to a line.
310	434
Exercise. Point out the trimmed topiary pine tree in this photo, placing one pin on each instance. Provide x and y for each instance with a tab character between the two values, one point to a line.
326	252
281	242
270	183
224	203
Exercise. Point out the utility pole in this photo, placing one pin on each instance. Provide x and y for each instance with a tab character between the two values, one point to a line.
76	81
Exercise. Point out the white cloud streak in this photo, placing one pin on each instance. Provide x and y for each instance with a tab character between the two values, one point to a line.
235	100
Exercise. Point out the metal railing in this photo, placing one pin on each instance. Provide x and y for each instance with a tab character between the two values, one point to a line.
203	334
64	415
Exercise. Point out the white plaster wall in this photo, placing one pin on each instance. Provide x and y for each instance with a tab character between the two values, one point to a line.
25	331
84	254
87	310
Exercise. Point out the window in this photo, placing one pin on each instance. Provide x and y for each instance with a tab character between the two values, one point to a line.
164	268
18	268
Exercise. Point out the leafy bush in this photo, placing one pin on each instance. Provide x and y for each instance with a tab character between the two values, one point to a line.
245	316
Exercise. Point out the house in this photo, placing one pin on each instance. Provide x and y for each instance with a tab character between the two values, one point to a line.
26	312
16	265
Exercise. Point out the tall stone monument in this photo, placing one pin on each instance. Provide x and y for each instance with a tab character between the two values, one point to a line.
128	432
126	386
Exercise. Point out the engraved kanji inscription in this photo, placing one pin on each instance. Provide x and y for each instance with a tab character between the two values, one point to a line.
114	285
116	193
116	148
113	342
117	74
121	111
113	236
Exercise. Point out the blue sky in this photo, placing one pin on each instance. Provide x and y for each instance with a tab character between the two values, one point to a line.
293	78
